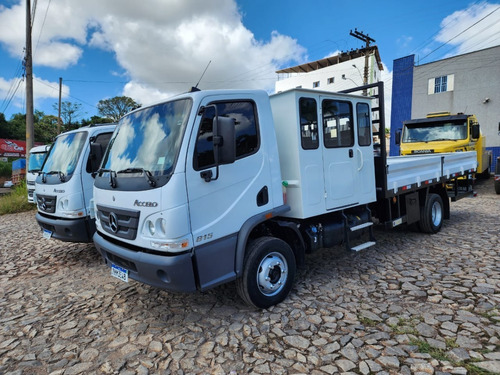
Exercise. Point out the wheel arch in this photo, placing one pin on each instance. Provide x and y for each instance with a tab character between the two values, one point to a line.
441	191
266	224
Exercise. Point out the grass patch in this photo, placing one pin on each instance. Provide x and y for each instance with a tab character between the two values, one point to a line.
474	370
367	322
424	347
16	201
451	343
404	326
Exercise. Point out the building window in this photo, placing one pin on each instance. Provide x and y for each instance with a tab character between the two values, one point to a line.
331	80
440	84
315	84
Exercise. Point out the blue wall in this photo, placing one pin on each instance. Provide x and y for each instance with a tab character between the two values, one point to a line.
402	85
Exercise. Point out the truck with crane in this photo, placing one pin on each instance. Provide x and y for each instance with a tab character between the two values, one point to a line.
217	186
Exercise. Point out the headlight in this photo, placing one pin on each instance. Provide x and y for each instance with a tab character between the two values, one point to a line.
63	204
162	225
151	227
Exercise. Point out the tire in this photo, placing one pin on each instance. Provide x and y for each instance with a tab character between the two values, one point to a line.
431	214
497	186
268	272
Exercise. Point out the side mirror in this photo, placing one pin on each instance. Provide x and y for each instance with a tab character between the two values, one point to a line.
475	131
95	156
398	137
226	139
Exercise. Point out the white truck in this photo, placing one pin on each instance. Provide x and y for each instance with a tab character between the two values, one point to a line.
215	186
64	186
36	159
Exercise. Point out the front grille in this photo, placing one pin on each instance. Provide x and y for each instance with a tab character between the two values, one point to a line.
46	203
119	222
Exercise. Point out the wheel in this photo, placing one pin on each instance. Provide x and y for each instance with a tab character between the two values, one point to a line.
268	272
497	186
431	214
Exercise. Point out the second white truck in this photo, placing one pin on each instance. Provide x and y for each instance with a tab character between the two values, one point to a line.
216	186
36	159
64	186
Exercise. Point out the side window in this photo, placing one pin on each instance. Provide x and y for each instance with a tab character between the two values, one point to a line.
363	115
247	140
338	127
308	113
102	140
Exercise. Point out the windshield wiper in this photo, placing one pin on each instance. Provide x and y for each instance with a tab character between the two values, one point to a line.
147	174
62	176
112	179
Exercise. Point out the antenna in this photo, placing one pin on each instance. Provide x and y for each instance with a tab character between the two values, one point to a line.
196	87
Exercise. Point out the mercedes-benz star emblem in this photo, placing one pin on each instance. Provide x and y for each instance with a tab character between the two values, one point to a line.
113	222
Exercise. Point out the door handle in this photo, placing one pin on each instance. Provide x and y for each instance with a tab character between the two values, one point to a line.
351	153
361	159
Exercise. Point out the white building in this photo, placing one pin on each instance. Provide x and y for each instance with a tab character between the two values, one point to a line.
336	73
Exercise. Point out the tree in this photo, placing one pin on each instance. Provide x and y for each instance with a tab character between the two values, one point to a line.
45	127
117	107
69	113
96	120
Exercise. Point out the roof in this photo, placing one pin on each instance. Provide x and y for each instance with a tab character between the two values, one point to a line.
332	60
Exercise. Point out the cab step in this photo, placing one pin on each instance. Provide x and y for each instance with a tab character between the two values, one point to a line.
359	221
361	226
363	246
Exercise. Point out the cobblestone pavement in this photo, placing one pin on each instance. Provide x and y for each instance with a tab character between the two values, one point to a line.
412	304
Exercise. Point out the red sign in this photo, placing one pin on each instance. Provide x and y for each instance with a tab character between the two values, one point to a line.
9	147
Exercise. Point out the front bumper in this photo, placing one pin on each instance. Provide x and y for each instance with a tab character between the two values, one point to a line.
174	273
70	230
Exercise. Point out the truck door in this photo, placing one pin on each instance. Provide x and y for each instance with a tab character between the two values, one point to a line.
219	207
365	165
339	154
87	179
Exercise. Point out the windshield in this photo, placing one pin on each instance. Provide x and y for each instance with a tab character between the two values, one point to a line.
64	153
435	131
149	139
36	161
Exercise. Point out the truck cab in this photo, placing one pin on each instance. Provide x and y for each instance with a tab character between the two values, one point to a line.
188	185
36	159
443	132
64	186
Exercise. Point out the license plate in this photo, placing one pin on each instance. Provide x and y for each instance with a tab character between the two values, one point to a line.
119	273
47	234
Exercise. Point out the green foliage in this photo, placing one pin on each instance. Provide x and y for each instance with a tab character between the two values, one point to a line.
70	112
5	169
16	201
96	120
117	107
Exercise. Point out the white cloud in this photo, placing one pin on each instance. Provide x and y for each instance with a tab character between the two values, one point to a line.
163	47
468	31
14	90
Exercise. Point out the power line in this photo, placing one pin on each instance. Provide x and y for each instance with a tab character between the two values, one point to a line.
460	33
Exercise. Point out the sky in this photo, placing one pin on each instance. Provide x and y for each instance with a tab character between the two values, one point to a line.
152	49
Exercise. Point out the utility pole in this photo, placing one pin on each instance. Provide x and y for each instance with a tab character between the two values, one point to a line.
28	62
59	111
365	38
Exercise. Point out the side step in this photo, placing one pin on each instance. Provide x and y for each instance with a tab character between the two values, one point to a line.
358	219
363	246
